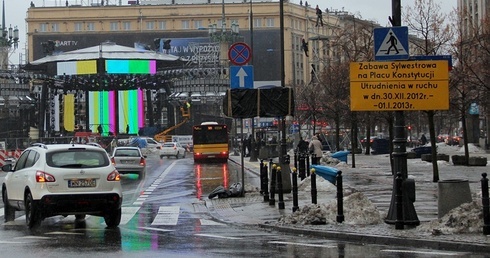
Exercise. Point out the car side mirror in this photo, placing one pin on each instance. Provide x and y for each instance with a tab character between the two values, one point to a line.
7	167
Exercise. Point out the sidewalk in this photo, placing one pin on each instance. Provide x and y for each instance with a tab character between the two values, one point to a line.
371	176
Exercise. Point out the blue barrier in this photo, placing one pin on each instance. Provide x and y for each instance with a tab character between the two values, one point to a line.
341	155
422	150
328	173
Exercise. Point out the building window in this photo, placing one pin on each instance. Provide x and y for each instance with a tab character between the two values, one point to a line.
257	22
43	27
186	24
198	24
269	22
150	25
55	27
114	26
90	26
78	26
126	25
162	25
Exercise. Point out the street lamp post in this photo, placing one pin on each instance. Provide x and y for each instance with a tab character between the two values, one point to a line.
9	38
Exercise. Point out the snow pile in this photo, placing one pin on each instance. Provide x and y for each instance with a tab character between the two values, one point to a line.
328	160
466	218
358	210
323	186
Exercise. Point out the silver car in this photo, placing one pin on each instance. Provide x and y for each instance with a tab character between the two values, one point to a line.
128	159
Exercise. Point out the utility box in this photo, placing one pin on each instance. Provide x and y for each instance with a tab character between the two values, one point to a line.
452	193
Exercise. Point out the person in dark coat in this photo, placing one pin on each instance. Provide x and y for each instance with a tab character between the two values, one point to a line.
319	16
302	145
423	140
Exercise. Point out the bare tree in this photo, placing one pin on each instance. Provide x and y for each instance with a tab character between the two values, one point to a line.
428	23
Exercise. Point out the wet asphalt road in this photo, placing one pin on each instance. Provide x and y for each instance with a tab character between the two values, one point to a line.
164	215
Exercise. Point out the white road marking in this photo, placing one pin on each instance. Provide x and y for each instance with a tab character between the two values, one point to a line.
127	213
217	236
301	244
157	229
167	215
208	222
142	198
11	242
422	252
63	233
34	237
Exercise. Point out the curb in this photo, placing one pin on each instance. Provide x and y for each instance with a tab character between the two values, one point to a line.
384	240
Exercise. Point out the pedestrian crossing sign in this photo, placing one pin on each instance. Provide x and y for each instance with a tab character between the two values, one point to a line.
391	43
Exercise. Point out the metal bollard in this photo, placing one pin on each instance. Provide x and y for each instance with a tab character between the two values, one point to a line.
262	187
307	169
280	204
313	186
399	201
266	183
296	153
485	204
302	166
340	198
272	201
295	190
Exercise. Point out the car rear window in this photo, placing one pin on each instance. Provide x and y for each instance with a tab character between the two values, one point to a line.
168	145
76	158
127	153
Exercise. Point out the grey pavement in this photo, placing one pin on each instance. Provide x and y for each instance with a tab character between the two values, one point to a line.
371	176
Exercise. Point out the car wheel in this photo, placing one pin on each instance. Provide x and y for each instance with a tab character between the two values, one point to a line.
177	155
33	218
9	210
113	218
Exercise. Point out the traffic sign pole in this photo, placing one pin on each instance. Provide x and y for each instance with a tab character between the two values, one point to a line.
409	215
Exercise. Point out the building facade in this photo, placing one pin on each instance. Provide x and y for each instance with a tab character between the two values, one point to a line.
187	24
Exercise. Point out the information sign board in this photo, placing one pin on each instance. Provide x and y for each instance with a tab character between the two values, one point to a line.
399	85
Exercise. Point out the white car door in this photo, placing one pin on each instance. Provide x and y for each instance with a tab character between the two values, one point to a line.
17	179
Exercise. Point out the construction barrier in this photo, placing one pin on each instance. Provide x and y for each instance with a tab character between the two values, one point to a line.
8	154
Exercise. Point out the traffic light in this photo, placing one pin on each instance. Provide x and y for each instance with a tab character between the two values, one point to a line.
409	127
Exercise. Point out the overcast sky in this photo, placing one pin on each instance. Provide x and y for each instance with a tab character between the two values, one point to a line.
377	10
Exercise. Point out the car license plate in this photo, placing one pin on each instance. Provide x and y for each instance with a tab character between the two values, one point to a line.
75	183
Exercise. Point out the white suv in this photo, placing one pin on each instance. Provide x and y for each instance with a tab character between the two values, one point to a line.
62	179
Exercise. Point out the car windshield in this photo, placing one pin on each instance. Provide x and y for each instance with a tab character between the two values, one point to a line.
127	153
77	158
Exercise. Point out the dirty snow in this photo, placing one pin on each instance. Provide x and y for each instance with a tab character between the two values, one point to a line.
359	210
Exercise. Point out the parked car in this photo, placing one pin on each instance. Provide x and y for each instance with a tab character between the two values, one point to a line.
62	179
452	140
364	141
172	149
128	159
146	144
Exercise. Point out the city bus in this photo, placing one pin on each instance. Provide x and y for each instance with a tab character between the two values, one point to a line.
210	142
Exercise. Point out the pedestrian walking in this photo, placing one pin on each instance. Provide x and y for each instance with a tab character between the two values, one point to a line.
302	145
315	147
423	140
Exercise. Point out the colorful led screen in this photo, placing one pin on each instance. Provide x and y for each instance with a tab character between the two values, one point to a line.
130	103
